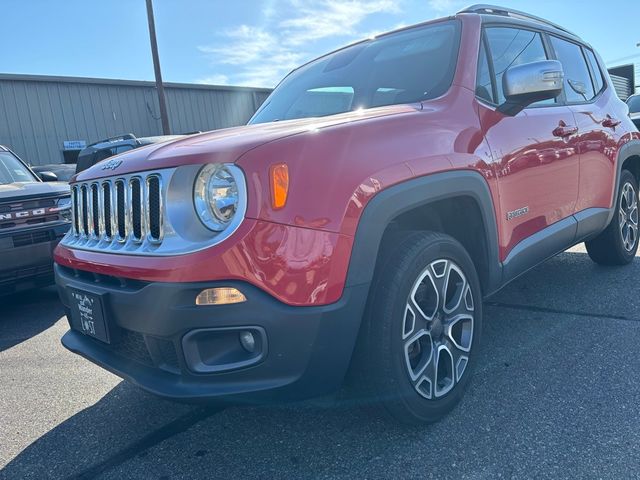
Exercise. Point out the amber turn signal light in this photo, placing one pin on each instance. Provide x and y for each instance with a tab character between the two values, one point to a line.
279	174
220	296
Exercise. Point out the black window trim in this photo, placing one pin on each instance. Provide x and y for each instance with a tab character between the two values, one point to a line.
551	54
583	47
548	50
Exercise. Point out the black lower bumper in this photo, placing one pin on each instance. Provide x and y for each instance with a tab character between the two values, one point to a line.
26	257
307	350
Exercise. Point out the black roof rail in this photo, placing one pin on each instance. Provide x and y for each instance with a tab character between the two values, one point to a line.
510	12
117	138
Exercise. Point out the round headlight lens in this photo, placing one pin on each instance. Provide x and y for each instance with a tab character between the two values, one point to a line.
215	196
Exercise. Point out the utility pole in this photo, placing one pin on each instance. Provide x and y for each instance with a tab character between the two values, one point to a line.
156	67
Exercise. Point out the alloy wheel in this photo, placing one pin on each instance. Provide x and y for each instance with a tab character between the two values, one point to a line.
437	329
628	216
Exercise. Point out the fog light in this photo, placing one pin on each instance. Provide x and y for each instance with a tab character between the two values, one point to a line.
220	296
247	341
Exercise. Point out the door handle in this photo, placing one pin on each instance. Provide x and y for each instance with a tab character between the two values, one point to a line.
610	122
564	131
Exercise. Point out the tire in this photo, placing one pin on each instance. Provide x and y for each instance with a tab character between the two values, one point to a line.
393	364
618	243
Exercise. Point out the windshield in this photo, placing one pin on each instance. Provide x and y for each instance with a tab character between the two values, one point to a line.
13	170
404	67
634	103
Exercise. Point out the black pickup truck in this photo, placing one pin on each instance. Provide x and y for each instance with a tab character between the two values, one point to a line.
34	216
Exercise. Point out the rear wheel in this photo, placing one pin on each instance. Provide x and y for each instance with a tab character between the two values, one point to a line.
422	327
618	243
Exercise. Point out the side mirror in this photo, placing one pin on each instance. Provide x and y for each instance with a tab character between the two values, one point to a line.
48	176
529	83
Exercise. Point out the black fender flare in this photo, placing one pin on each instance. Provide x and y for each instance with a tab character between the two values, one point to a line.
629	149
419	192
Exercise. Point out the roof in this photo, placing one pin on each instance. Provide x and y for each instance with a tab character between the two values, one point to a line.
130	83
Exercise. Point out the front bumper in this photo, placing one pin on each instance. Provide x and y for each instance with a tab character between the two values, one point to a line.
26	257
308	349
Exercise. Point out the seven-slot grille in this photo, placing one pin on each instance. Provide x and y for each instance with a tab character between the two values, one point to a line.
119	210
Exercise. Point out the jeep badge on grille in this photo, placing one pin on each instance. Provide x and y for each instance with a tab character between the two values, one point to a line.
112	164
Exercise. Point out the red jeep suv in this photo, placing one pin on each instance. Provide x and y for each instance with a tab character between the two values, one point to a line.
375	199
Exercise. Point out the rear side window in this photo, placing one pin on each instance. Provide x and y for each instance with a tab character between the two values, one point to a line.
577	81
598	81
510	47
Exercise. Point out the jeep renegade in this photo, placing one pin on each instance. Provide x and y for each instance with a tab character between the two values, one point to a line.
357	223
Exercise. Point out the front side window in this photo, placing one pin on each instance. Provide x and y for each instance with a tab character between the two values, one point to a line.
510	47
13	170
577	81
403	67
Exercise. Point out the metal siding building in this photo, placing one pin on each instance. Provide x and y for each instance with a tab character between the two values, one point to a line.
39	113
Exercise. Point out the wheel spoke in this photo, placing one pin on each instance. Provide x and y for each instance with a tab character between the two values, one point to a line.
425	297
460	332
445	371
455	285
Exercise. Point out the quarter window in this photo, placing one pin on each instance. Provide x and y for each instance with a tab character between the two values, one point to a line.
483	78
598	81
577	81
510	47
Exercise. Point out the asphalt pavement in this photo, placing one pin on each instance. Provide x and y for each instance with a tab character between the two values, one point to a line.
555	395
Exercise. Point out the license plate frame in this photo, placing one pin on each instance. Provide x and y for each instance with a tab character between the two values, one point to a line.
88	315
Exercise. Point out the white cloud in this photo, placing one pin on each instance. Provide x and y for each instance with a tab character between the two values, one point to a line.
329	18
445	6
262	55
215	79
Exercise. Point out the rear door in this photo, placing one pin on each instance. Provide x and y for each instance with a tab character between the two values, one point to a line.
534	160
597	113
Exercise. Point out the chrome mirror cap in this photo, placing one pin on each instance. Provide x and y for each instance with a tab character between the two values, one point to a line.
529	83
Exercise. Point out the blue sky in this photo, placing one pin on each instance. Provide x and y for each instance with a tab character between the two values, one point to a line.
250	42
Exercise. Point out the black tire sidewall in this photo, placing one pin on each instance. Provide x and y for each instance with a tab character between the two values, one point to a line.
625	177
386	315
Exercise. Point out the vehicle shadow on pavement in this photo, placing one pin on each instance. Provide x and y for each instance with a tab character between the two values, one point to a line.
43	307
551	395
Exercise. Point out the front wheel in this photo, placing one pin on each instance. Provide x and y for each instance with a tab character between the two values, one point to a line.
618	243
422	329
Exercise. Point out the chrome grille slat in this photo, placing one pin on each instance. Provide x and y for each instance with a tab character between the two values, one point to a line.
153	202
137	209
107	209
121	210
74	211
96	212
83	211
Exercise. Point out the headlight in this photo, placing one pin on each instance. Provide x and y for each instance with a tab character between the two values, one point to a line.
216	196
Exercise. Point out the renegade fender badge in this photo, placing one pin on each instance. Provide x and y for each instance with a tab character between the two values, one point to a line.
112	164
517	213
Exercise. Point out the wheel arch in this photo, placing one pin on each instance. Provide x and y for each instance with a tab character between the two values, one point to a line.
629	158
445	202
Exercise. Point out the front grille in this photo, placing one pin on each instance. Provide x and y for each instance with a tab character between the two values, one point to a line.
119	210
131	345
31	238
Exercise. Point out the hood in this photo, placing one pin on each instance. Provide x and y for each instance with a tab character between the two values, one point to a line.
226	145
26	190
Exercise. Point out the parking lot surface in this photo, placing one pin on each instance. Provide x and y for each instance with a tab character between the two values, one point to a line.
555	395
